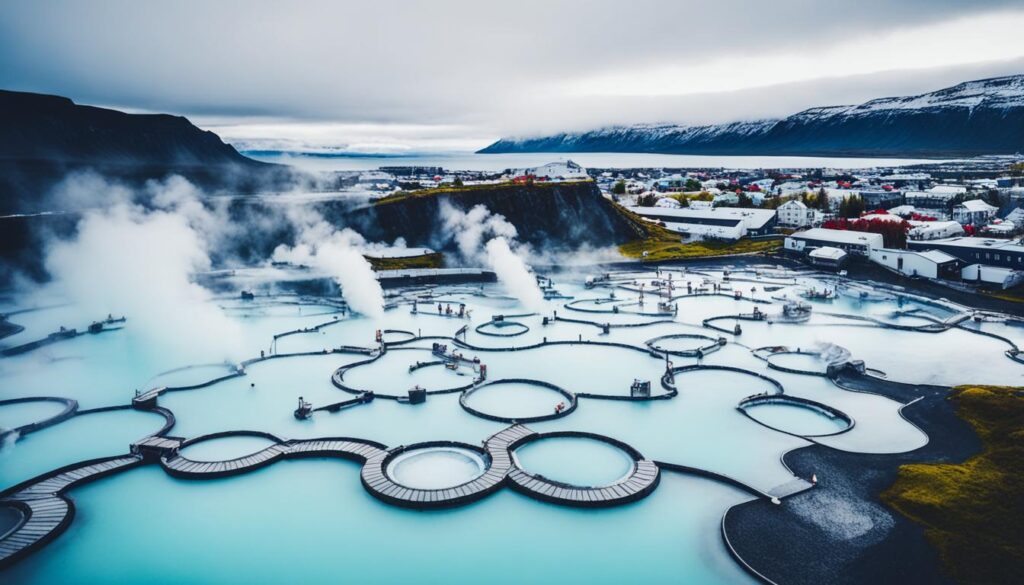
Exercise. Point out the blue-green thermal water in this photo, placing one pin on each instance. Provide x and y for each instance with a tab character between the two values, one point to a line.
575	460
311	521
434	468
19	414
796	419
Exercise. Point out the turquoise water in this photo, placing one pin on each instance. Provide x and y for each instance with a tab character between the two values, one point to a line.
516	400
796	419
311	521
224	448
86	436
20	414
575	460
434	468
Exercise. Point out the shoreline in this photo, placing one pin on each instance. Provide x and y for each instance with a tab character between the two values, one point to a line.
841	531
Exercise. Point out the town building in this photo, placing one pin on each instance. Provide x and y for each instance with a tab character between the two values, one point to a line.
828	257
881	198
934	230
974	212
1000	276
730	223
553	171
923	263
794	213
856	243
987	251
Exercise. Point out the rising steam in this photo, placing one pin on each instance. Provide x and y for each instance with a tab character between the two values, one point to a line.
502	252
127	260
339	253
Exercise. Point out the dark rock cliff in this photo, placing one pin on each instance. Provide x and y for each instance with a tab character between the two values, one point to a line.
45	137
565	215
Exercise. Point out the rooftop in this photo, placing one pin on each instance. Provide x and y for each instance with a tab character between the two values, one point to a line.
968	242
754	218
828	253
838	236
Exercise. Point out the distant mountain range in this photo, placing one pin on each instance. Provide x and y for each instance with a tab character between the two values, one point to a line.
969	119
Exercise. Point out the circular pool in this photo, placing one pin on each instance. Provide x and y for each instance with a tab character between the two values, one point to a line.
10	518
797	419
683	344
433	468
225	448
18	414
579	461
502	328
519	400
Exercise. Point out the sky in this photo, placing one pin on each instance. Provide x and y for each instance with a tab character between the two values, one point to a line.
454	75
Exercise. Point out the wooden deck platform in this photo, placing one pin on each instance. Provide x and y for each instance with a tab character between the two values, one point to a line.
183	467
47	512
635	486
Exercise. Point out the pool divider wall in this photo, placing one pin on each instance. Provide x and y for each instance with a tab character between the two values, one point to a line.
70	408
464	402
789	400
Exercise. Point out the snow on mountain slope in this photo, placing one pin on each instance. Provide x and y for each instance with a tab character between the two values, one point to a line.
972	118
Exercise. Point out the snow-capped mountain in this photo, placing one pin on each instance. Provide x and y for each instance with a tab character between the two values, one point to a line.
972	118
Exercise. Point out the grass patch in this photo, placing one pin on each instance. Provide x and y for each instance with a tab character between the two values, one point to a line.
664	244
452	189
435	260
973	511
1014	295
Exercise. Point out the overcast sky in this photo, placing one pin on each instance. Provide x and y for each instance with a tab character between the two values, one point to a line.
376	76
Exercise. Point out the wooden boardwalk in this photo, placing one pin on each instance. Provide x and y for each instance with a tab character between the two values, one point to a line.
180	466
183	467
47	512
640	482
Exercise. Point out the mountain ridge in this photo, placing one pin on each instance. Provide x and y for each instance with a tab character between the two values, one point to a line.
44	138
971	118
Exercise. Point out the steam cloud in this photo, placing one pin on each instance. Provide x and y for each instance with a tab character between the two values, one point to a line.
127	260
340	254
469	230
513	273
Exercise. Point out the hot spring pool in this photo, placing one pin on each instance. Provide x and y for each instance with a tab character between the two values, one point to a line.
575	460
434	468
314	521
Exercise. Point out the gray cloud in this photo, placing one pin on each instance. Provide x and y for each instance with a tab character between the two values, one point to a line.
494	67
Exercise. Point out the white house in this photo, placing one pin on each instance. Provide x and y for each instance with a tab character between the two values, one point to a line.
567	170
998	275
794	213
828	257
974	212
926	263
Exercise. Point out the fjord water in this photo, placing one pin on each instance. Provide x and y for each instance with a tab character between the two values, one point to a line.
462	161
311	521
